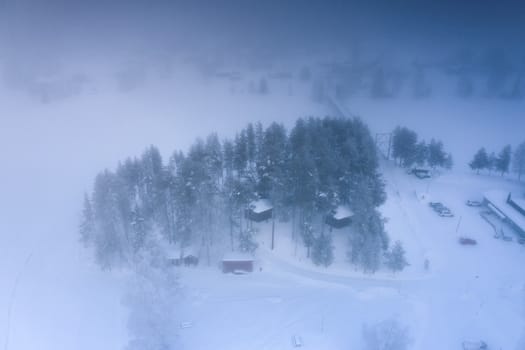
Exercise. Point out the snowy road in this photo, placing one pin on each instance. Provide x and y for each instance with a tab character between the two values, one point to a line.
466	294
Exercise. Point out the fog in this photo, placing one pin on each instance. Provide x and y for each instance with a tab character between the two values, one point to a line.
86	84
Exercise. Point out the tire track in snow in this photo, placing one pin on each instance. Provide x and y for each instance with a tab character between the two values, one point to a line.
12	299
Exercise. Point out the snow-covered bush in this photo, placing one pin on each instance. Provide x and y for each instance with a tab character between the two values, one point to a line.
322	250
395	258
386	335
247	243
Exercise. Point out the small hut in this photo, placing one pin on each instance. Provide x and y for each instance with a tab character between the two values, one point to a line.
340	217
260	210
237	263
421	173
176	258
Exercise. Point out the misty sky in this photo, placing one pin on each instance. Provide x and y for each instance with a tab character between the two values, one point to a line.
62	28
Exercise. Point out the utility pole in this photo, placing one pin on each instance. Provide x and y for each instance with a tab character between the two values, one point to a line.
459	223
273	228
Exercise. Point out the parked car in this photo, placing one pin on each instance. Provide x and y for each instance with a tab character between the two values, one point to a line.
435	204
474	345
467	241
446	214
474	203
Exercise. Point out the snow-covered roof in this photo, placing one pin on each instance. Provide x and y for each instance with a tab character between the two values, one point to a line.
174	252
260	206
343	212
237	256
499	200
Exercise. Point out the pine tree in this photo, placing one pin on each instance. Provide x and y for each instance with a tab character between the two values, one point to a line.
111	242
240	154
518	164
139	230
323	250
307	233
404	146
492	164
247	243
87	225
436	154
395	259
480	161
251	143
421	156
503	160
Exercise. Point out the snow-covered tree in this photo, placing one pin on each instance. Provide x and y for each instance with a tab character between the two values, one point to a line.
386	335
421	155
480	161
493	160
395	258
518	163
323	250
247	242
87	224
436	154
404	146
503	160
112	241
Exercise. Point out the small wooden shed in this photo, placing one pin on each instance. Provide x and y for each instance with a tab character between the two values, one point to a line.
237	263
422	173
340	217
188	258
260	210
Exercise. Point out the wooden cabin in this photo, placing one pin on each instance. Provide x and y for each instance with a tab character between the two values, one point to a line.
260	210
340	217
237	263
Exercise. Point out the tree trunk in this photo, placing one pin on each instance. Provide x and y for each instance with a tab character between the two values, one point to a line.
231	228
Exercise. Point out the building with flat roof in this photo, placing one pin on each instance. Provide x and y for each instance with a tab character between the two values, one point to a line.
508	208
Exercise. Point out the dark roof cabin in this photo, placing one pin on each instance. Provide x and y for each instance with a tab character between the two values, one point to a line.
235	263
340	217
260	210
176	258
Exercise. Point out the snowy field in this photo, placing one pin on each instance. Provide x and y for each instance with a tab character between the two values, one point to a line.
468	293
53	297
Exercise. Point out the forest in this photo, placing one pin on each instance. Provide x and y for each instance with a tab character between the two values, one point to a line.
199	198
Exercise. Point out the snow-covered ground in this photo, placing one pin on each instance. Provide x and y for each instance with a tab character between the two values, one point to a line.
468	292
51	294
53	297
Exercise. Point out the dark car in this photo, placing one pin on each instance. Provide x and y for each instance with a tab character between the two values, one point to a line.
467	241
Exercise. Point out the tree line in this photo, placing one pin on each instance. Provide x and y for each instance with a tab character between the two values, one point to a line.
200	197
501	162
408	151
